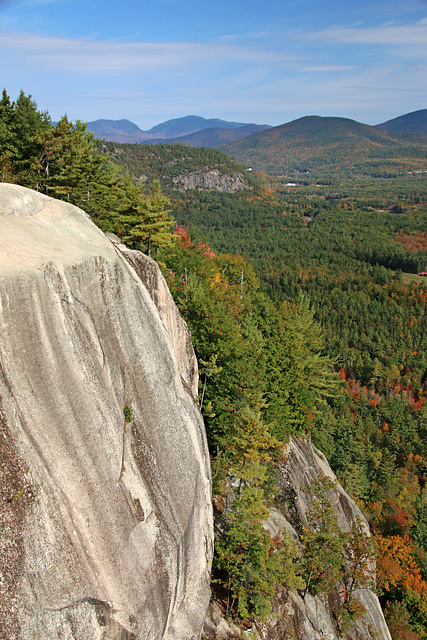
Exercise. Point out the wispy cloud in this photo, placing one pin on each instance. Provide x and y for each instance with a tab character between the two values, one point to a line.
316	68
259	76
389	35
251	36
91	56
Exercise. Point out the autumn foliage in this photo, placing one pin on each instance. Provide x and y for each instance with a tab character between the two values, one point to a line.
397	566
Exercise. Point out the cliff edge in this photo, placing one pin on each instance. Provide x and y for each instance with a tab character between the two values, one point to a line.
105	483
295	615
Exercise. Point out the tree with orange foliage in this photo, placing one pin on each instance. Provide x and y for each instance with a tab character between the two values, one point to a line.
396	564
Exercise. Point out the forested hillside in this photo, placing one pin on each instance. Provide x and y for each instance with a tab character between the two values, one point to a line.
330	145
414	122
172	162
308	318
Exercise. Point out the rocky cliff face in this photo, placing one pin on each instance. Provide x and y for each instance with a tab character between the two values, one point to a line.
106	522
211	180
296	617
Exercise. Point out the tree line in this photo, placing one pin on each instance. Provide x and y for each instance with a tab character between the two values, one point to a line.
62	161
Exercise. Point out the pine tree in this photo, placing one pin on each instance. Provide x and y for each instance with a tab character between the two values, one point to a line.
148	219
252	447
68	165
28	123
300	376
6	138
20	124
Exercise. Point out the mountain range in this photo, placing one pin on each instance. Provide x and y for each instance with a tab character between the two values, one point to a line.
202	132
191	130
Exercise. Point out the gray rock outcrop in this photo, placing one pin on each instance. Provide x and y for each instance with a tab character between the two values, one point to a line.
106	522
308	617
315	618
211	180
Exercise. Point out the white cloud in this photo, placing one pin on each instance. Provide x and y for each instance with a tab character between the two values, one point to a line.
91	56
391	35
316	68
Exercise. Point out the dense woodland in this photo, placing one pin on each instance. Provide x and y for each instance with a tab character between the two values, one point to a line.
349	259
330	146
308	318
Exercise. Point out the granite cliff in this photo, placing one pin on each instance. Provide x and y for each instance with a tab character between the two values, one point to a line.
296	616
105	498
211	180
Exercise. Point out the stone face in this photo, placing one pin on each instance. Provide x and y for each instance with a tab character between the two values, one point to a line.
211	180
108	523
314	618
178	331
308	618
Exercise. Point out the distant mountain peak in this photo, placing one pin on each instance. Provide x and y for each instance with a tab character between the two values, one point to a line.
115	125
414	122
126	131
325	143
117	130
190	124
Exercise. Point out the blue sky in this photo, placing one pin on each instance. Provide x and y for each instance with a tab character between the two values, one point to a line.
264	61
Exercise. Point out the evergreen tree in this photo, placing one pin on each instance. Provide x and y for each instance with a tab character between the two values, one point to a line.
249	562
6	139
20	124
28	124
61	160
68	166
148	219
252	447
300	378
